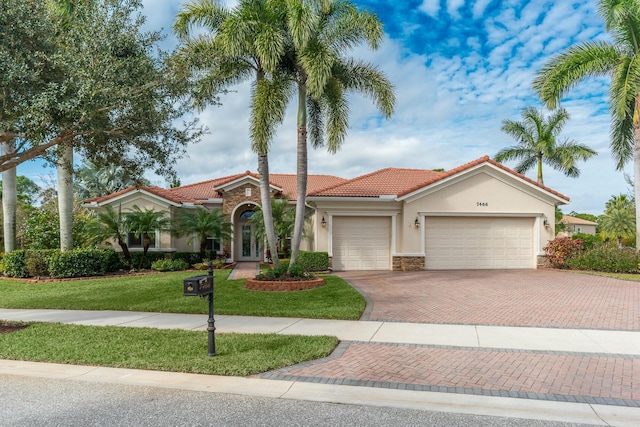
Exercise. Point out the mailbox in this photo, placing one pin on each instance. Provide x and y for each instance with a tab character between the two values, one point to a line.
198	285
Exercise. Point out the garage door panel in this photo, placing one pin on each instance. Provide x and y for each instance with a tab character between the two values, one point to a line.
486	243
361	243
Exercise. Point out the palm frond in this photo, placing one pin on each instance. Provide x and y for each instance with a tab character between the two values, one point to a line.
566	70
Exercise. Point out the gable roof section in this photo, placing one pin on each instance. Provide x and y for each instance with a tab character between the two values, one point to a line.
154	191
577	221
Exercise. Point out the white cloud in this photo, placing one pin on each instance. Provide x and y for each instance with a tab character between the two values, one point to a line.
430	7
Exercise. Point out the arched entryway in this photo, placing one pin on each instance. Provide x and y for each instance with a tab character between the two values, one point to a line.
247	247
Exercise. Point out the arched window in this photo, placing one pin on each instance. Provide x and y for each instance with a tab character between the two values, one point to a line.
247	214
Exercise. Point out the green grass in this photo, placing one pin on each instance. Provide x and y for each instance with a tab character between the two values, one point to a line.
162	292
164	350
621	276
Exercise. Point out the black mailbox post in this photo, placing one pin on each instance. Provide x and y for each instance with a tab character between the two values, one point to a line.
203	286
198	285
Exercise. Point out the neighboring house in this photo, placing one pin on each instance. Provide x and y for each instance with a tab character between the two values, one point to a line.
481	215
573	225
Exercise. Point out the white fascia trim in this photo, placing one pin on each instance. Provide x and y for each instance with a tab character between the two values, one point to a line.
214	201
352	199
242	181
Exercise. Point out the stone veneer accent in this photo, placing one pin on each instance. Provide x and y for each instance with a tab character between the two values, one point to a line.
231	199
408	263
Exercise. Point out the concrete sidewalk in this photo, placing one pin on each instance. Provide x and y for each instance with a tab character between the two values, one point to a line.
621	343
521	338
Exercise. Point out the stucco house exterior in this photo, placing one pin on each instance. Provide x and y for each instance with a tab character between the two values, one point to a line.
573	225
481	215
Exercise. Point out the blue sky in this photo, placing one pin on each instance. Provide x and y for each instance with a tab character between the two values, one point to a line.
460	68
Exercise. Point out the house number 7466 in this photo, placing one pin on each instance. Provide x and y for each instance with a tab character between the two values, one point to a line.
482	203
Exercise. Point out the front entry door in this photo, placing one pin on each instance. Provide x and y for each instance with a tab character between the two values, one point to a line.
249	248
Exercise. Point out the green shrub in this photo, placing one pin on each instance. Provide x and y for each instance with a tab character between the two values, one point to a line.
37	261
283	272
170	265
114	261
559	250
313	261
588	240
188	257
606	259
78	263
141	262
14	264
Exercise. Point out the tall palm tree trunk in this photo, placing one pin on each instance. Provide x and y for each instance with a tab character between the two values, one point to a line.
267	213
636	166
65	197
540	180
9	201
301	173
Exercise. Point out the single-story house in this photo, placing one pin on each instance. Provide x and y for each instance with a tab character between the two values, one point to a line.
573	225
481	215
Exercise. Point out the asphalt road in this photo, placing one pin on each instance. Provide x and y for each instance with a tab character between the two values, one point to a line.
36	402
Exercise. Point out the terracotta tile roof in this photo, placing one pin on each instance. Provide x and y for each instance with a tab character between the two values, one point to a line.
579	221
288	183
206	189
389	181
400	182
158	191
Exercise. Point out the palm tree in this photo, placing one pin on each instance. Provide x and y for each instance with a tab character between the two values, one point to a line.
321	32
202	224
619	60
112	225
145	223
283	221
244	43
537	144
618	219
91	181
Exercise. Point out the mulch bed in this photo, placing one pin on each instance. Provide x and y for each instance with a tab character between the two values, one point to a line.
6	328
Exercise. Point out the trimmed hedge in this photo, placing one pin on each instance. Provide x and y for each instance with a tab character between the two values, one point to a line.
606	259
14	264
313	261
78	263
190	258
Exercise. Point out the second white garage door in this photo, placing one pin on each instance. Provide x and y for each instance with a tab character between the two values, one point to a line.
478	243
361	243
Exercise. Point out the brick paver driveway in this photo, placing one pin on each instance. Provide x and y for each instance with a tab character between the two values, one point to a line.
542	298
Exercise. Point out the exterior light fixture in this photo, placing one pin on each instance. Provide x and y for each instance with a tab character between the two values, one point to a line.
416	223
545	221
323	222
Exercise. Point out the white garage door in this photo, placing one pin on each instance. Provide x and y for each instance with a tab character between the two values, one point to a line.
478	243
361	243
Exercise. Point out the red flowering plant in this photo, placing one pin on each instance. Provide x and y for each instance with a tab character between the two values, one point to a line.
560	249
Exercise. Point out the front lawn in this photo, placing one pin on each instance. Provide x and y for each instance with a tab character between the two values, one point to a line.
164	350
162	292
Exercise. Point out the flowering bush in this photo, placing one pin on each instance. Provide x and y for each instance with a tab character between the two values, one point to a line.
561	249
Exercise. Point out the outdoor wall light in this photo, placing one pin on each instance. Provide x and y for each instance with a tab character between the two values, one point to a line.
323	222
545	222
416	223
